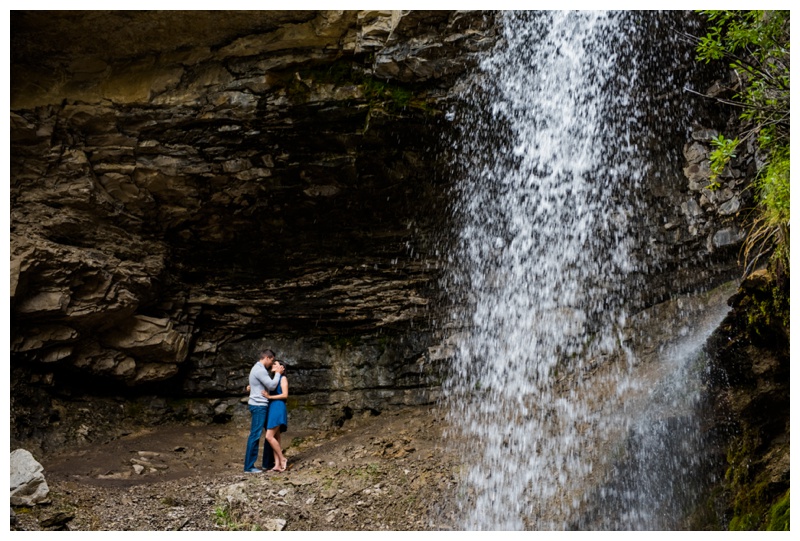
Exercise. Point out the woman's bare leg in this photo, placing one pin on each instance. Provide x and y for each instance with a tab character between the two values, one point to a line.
280	445
280	460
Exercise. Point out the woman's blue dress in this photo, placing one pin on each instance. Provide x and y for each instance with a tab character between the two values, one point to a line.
277	415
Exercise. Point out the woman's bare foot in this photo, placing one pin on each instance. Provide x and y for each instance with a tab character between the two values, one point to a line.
284	463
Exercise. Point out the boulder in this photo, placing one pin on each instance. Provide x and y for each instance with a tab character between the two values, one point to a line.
273	525
727	237
28	485
233	494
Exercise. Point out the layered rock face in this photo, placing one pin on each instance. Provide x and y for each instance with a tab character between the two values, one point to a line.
188	188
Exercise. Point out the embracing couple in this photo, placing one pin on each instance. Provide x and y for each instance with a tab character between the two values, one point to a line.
267	404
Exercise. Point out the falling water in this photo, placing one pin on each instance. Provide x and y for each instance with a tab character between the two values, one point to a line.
546	389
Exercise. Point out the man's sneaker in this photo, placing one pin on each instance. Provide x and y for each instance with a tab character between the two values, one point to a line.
252	470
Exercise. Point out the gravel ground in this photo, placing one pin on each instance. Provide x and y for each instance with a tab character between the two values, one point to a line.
386	472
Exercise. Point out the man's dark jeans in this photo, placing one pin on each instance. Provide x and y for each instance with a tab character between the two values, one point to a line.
258	418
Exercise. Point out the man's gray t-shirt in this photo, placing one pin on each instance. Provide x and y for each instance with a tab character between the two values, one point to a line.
259	381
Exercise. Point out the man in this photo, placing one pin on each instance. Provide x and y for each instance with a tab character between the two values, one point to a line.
260	380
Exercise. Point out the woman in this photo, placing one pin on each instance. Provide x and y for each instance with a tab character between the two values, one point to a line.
277	418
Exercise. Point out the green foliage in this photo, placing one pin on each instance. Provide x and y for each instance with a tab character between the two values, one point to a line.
223	517
762	315
297	442
773	187
734	31
227	518
756	45
379	93
724	150
370	471
769	232
766	306
391	96
373	89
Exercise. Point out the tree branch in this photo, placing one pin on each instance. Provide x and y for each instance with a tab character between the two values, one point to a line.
737	103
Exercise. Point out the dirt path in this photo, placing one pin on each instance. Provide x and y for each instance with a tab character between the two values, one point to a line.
386	472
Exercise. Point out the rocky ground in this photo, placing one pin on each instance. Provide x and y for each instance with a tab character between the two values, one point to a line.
385	472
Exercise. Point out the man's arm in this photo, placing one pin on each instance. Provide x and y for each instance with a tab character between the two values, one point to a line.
269	384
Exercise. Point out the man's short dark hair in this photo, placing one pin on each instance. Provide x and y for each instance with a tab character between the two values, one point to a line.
267	353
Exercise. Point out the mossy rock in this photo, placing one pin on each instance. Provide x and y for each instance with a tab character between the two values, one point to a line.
779	515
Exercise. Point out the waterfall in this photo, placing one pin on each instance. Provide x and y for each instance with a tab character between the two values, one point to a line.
547	390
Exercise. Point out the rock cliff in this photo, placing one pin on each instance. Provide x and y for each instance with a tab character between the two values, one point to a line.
188	188
748	379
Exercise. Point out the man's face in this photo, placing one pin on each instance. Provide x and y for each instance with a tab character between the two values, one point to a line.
267	361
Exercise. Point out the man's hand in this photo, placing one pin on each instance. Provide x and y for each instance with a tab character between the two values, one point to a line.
279	369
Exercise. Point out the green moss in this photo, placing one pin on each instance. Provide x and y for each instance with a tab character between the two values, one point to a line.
298	83
767	305
344	342
374	90
779	515
134	409
753	497
752	505
705	515
746	496
389	96
339	72
382	345
297	91
762	314
297	442
746	522
392	97
293	403
401	97
371	471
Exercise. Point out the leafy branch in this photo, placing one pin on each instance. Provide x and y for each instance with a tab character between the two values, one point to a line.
755	44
